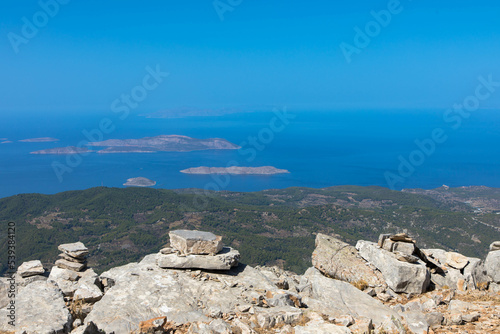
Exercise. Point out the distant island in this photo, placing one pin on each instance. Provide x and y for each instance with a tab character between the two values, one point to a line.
64	150
163	143
184	112
6	142
265	170
139	182
39	140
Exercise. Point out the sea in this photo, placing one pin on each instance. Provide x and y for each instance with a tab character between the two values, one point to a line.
389	148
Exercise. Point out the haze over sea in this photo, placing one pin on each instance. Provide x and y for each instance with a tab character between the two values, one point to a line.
319	148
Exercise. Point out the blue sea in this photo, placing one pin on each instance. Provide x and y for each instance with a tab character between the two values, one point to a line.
319	148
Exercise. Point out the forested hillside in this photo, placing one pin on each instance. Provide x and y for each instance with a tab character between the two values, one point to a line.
268	227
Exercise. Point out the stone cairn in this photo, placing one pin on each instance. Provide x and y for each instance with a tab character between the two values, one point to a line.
73	256
30	269
197	250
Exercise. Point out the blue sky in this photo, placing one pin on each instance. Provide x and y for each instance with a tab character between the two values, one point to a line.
263	53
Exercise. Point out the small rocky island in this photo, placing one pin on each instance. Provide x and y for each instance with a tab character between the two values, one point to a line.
163	143
64	150
139	182
234	170
39	140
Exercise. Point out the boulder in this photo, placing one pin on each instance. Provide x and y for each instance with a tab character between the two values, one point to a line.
492	265
144	291
321	327
336	298
340	260
75	266
195	242
225	260
40	308
495	245
417	322
399	276
31	268
406	248
76	250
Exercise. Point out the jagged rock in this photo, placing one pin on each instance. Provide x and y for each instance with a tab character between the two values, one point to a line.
70	258
475	275
145	291
495	245
224	260
31	268
417	322
340	260
336	298
388	245
399	276
321	327
40	308
471	317
57	273
24	281
434	319
76	250
406	258
456	260
195	242
448	279
492	265
75	266
278	316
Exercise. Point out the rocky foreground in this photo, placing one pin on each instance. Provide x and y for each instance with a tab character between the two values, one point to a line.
196	285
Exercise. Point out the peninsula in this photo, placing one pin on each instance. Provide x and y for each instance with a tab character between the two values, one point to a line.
64	150
39	140
139	182
234	170
163	143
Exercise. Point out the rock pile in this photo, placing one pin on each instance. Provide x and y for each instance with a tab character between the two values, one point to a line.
31	268
335	296
197	250
73	256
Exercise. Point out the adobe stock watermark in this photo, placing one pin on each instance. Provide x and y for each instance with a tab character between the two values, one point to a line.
11	274
223	6
121	107
372	29
453	118
30	28
249	149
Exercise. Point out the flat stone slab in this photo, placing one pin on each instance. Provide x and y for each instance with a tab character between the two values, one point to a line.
76	250
456	260
70	258
195	242
31	268
75	266
225	260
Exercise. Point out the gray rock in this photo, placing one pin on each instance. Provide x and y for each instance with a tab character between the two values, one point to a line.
342	261
434	319
406	248
57	273
40	309
278	316
495	245
336	298
31	268
75	266
399	276
381	239
321	327
471	317
76	250
492	265
456	260
447	279
403	237
87	293
417	322
225	260
388	245
145	291
195	242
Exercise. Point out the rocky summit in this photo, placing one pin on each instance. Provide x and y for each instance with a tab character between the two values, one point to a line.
196	285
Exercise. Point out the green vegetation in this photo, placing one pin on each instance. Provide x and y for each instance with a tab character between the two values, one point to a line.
268	227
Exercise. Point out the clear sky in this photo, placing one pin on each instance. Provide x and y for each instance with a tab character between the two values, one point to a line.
263	52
